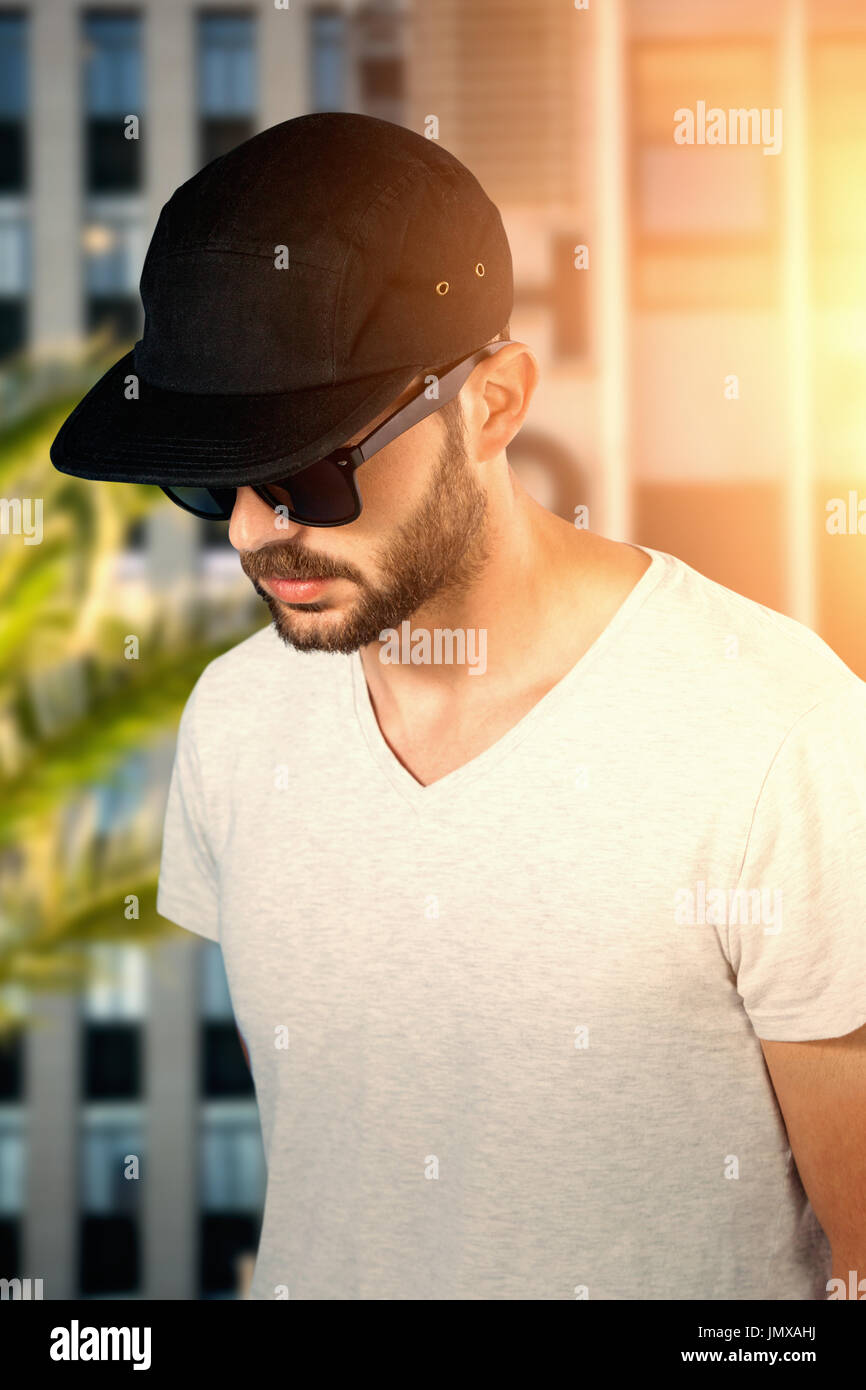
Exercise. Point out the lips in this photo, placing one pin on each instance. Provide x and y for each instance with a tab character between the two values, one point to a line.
294	589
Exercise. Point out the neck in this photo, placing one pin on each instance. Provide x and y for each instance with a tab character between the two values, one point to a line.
522	602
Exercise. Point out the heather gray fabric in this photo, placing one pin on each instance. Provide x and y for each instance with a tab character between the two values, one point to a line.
505	1029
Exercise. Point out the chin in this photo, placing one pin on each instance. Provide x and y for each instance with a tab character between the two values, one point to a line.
318	633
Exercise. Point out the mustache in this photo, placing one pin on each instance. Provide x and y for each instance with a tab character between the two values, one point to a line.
286	562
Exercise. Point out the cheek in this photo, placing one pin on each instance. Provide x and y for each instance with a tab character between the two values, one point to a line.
392	483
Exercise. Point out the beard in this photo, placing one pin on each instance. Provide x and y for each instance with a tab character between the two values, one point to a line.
443	547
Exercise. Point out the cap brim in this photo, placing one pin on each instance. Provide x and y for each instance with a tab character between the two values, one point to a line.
159	436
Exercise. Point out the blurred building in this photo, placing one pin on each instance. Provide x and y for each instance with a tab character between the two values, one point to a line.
699	316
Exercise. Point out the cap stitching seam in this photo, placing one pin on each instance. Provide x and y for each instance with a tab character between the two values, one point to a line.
224	248
415	170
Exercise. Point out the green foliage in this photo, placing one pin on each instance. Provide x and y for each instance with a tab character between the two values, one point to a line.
60	634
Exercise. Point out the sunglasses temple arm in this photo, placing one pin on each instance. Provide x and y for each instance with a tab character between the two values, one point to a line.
406	416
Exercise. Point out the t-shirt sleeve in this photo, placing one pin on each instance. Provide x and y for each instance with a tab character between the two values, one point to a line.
800	963
188	888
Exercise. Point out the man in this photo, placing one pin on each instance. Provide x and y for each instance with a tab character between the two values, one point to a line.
537	861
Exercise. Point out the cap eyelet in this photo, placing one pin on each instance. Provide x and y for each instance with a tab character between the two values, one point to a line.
479	270
442	287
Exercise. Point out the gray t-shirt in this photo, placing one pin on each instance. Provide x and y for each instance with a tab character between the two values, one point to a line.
504	1029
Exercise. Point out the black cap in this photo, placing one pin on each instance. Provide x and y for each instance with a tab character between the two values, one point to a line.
292	289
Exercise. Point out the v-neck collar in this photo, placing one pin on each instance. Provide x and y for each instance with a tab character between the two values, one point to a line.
435	792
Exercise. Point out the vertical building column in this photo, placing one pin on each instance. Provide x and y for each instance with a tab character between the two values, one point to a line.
170	159
170	1207
283	52
170	94
611	262
170	1211
797	483
55	157
52	1071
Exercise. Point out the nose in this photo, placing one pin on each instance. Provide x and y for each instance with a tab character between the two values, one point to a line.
255	524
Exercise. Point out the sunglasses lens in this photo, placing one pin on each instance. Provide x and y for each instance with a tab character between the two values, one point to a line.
211	502
321	493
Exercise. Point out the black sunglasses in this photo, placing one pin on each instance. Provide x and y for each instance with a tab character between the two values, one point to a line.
325	493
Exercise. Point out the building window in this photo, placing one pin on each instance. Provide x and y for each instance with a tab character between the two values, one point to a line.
114	245
232	1174
112	1061
14	280
227	1241
227	82
114	1007
233	1179
328	64
109	1140
214	997
705	212
11	1065
113	235
224	1068
13	103
381	67
233	1171
11	1162
382	86
12	1197
117	988
112	92
109	1201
